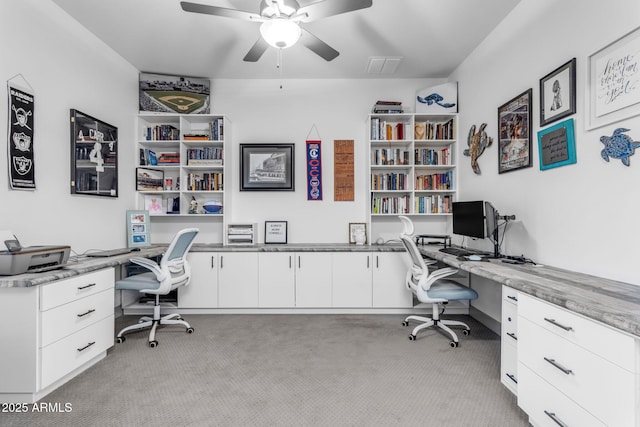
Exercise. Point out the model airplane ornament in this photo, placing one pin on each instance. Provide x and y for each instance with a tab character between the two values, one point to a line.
281	21
478	142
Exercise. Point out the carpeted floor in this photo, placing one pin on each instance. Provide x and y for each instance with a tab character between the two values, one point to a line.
289	370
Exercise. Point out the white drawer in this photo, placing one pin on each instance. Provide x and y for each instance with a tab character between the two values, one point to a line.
67	354
510	295
509	366
612	345
66	319
606	390
509	326
67	290
542	403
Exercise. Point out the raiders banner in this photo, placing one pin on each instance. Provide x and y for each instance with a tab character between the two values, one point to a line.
20	125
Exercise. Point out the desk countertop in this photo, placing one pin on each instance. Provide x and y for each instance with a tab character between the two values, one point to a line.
611	302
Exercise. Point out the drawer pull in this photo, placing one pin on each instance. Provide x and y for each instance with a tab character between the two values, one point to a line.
512	335
80	288
511	297
554	323
87	346
86	312
555	418
512	378
557	365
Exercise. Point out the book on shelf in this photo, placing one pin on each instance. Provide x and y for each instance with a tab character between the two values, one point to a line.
148	157
434	204
168	159
383	130
436	181
162	133
196	137
387	107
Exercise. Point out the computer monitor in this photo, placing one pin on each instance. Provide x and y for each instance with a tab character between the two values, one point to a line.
491	219
468	219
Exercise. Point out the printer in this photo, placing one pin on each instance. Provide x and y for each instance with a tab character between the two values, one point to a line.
16	259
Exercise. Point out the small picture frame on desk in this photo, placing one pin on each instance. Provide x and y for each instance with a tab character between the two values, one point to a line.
357	233
275	232
138	232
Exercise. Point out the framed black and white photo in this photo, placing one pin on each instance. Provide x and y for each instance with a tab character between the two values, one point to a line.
149	179
161	93
275	232
267	167
514	133
358	233
614	81
558	93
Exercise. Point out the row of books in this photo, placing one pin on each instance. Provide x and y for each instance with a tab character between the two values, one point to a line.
433	130
390	205
381	130
168	159
436	181
387	107
162	133
434	204
204	155
390	181
204	182
389	156
432	156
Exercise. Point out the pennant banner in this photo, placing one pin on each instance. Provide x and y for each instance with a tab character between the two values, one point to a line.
314	171
20	139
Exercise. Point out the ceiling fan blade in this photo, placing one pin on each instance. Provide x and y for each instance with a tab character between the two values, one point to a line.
256	51
323	9
318	46
218	11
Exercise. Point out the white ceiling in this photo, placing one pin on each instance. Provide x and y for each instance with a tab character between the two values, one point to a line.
431	36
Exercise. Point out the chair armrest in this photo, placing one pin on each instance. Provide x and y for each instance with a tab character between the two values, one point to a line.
149	265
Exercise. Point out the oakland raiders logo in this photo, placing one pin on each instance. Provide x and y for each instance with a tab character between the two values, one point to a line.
22	141
22	165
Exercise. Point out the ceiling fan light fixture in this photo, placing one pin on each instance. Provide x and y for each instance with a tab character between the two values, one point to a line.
280	33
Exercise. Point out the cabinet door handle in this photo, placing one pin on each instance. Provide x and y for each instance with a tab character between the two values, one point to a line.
80	288
289	262
554	323
367	262
221	261
559	366
299	262
87	346
213	262
511	297
512	335
377	261
512	378
555	418
86	312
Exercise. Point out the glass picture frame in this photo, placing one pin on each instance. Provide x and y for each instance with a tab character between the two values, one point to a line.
558	93
275	232
267	167
557	145
514	133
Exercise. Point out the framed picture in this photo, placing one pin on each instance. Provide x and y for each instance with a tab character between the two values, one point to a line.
275	232
358	233
557	145
614	81
149	179
267	167
514	133
138	231
160	93
558	93
94	156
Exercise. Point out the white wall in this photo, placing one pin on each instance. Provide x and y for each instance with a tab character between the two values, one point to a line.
583	217
67	67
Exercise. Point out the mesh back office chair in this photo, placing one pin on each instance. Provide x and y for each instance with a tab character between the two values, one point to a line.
173	271
432	288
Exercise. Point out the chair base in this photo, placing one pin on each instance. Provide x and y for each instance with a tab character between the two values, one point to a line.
427	322
153	322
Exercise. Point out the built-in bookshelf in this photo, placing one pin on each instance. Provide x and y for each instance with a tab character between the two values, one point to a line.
412	164
185	157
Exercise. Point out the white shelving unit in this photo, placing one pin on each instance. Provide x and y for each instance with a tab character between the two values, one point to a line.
191	152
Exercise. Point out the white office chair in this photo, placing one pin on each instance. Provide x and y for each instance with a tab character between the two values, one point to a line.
432	288
172	272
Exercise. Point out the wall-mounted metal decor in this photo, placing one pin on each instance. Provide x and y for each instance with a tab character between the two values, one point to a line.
619	146
94	156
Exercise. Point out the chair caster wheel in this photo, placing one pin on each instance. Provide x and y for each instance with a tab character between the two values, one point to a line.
153	344
412	337
453	344
466	332
120	340
405	323
189	330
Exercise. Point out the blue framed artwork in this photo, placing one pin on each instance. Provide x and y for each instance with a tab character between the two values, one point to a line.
557	145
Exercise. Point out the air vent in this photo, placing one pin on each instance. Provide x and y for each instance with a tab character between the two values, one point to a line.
383	64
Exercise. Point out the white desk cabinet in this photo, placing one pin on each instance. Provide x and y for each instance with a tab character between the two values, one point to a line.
313	279
389	273
277	280
53	332
202	291
238	280
509	339
574	370
351	279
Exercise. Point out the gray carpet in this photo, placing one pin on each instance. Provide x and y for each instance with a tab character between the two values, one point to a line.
289	370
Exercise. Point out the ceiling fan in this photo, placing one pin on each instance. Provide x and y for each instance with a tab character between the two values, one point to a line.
281	22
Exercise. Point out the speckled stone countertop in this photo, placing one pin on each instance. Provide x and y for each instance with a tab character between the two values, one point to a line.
298	247
611	302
